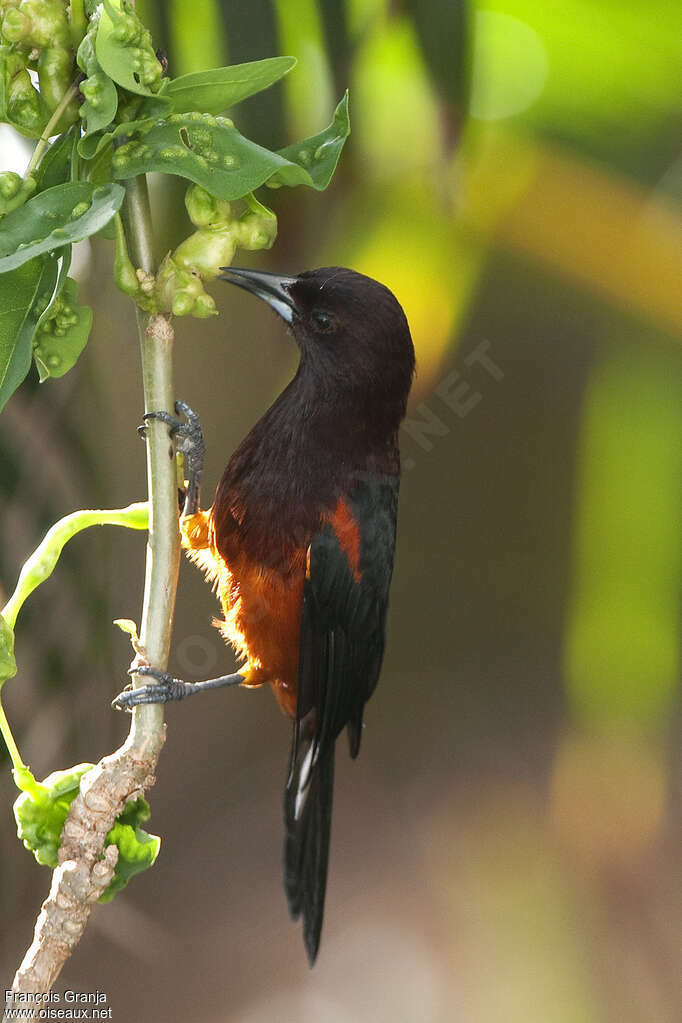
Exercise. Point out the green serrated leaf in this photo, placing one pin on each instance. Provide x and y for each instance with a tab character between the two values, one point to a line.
24	295
317	155
63	336
211	152
55	165
216	90
60	215
124	49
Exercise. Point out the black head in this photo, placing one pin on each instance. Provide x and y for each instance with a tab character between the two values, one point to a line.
352	331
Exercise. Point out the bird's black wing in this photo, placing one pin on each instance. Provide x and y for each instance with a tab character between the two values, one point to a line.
343	623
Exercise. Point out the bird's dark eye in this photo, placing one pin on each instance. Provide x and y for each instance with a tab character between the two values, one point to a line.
323	321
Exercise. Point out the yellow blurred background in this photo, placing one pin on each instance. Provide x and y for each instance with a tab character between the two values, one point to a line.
507	849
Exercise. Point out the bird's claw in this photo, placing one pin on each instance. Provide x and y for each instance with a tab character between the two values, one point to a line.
189	435
189	440
165	689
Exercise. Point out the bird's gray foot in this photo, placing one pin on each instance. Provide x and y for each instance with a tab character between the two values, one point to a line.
166	688
189	441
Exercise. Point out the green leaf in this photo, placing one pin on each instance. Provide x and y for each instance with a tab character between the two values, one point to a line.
100	96
215	91
24	294
64	261
101	101
63	336
318	155
210	151
150	110
62	214
128	625
55	165
124	49
41	810
137	850
202	148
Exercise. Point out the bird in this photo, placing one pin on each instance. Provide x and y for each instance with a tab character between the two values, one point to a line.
300	539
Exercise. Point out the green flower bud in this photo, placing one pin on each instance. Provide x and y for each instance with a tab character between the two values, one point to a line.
10	183
182	304
206	251
204	209
124	273
181	292
26	110
204	307
37	23
256	231
15	26
55	66
257	227
14	191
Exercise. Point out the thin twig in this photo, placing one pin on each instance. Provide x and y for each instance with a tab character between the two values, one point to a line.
50	127
82	873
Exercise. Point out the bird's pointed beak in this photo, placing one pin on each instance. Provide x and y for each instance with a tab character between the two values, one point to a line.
272	288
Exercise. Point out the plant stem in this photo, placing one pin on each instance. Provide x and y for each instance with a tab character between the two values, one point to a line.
49	130
163	551
86	864
12	747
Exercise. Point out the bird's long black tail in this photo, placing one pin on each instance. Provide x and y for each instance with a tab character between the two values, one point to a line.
307	816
